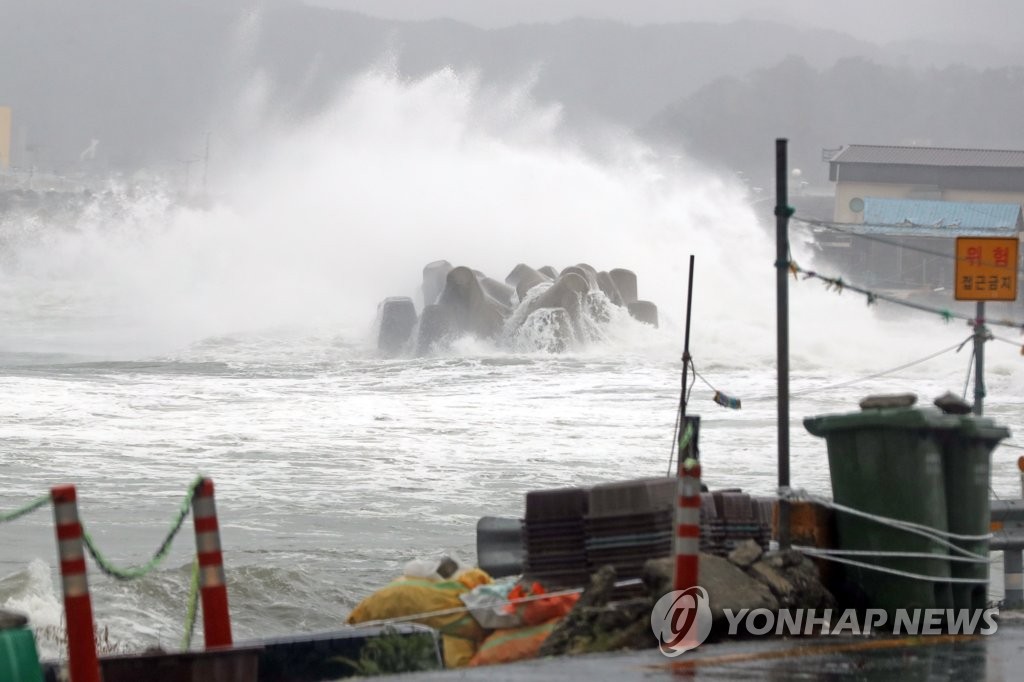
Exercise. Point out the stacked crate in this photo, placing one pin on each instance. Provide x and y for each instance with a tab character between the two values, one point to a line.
737	517
569	533
628	523
553	537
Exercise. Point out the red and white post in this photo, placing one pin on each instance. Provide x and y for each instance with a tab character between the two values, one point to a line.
213	587
687	525
83	663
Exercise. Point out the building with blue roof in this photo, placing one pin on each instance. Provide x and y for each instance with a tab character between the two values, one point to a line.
899	210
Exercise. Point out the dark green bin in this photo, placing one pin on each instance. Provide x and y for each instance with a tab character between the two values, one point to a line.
19	661
889	462
967	464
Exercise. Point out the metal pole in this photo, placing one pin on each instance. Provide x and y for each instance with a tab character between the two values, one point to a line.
689	427
979	359
782	212
686	345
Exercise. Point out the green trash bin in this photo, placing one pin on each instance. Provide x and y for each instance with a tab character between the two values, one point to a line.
889	462
19	661
967	463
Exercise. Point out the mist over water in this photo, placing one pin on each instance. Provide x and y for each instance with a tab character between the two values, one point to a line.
149	339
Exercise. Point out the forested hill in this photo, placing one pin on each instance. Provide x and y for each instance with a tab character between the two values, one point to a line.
147	79
733	122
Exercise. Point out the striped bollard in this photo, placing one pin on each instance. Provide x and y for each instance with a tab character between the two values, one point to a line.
83	663
213	587
687	535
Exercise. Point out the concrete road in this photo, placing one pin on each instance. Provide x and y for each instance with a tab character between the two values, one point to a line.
956	658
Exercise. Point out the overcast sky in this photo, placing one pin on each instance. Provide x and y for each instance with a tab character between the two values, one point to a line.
876	20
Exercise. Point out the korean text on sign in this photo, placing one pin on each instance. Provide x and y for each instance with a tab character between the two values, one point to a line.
986	268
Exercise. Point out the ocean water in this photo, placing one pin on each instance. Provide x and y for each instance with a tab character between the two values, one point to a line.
147	341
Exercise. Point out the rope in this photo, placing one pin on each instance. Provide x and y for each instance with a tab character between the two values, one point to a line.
876	375
193	606
839	285
967	379
902	555
159	555
824	554
462	609
934	534
25	509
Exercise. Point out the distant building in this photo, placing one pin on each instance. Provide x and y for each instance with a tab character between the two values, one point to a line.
898	211
994	176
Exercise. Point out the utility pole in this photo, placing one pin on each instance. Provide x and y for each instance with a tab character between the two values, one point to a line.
782	212
979	359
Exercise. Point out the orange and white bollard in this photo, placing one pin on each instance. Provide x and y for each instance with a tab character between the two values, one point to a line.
213	587
83	663
687	525
1020	466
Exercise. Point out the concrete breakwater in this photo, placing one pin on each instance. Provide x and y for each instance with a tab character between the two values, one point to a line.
533	309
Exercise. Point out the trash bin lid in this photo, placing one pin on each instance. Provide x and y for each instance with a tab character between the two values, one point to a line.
881	418
982	428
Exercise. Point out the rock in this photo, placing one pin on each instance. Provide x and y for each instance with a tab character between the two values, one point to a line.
548	272
644	311
577	629
548	329
728	587
396	319
589	276
950	403
434	275
436	328
793	579
473	311
781	588
607	286
523	278
566	292
502	293
874	402
746	553
625	282
784	558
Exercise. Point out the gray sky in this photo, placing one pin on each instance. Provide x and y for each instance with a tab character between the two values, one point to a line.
876	20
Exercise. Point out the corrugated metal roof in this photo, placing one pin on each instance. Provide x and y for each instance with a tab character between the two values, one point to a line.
920	218
930	156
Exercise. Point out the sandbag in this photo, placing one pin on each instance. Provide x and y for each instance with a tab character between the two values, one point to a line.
542	610
508	645
410	596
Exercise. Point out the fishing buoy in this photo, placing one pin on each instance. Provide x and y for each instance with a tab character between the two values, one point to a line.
727	401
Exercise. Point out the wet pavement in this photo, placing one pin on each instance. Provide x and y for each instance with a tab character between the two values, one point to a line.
959	658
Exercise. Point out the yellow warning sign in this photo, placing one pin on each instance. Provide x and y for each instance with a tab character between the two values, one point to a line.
986	268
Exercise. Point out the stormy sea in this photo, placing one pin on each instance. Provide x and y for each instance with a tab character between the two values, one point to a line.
146	339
